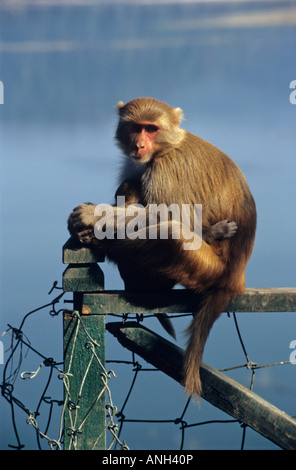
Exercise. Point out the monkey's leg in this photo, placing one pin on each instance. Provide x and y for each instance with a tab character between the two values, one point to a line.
166	258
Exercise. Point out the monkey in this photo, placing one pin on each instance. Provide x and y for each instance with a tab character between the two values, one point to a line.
166	164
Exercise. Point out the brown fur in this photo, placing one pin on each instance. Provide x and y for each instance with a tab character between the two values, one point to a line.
185	169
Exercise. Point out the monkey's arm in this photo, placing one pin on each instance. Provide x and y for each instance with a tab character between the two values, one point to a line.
82	220
131	190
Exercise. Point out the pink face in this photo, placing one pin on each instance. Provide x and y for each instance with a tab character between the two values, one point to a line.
142	140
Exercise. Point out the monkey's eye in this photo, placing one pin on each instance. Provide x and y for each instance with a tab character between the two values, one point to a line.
151	128
135	128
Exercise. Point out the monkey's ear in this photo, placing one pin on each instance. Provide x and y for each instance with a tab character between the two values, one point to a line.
179	115
120	105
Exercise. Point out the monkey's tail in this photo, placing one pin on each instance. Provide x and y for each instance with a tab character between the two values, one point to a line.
211	307
166	324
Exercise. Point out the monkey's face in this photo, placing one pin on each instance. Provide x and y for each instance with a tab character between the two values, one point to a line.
147	126
142	140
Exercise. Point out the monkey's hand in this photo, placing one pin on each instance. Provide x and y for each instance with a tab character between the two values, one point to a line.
219	231
224	229
81	223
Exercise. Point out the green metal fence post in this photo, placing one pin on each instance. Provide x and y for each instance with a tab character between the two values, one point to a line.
84	352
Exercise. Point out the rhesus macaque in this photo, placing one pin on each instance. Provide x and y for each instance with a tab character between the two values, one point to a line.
168	165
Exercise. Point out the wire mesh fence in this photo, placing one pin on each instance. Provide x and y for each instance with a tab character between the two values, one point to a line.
49	409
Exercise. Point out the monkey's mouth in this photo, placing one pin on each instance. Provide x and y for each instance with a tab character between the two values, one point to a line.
140	158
